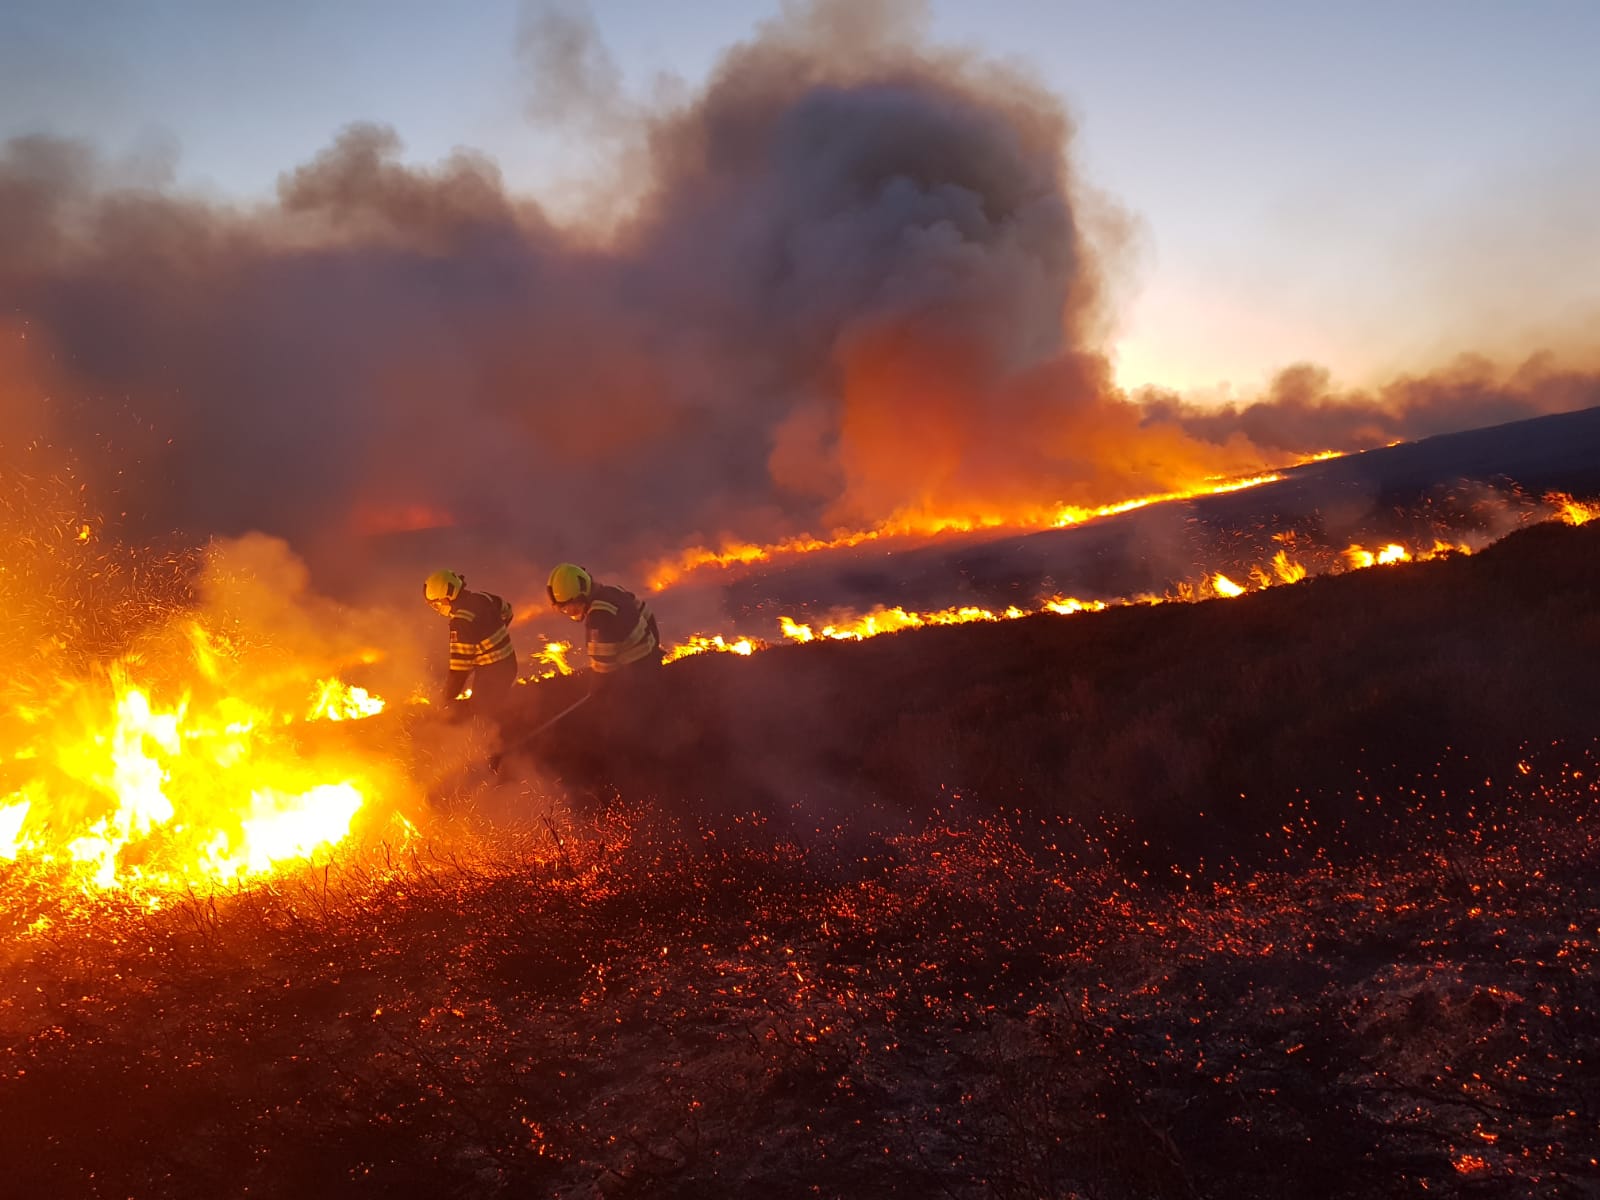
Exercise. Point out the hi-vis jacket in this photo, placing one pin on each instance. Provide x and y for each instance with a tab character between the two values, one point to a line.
480	634
621	630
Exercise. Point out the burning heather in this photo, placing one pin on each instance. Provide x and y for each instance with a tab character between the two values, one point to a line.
200	752
1283	567
1047	907
209	744
664	575
1288	895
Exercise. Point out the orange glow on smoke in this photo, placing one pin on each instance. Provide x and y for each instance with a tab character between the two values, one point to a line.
376	520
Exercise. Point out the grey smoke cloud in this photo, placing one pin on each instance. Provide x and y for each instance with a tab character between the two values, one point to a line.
858	282
1304	411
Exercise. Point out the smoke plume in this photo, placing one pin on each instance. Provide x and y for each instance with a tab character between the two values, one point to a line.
859	280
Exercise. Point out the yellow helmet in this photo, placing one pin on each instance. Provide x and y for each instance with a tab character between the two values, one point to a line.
568	582
442	587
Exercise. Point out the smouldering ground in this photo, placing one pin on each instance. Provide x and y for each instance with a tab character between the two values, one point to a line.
1288	895
633	1006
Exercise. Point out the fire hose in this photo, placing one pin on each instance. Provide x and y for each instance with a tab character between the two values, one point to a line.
579	702
526	738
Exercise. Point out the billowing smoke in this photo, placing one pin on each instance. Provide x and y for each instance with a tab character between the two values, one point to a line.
859	281
1304	412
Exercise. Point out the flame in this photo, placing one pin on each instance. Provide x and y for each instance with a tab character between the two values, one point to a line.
1064	606
189	760
1357	557
152	773
1074	515
552	660
1573	512
711	643
338	701
926	525
845	625
1287	570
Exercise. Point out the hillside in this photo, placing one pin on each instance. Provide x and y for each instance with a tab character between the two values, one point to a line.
1458	485
1286	895
1196	724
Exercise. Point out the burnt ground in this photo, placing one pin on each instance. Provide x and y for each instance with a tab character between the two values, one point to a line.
1287	895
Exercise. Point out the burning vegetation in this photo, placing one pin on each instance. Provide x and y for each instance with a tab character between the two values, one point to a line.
201	743
1075	887
1039	908
209	741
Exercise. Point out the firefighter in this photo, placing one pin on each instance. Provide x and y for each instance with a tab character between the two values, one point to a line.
620	629
480	641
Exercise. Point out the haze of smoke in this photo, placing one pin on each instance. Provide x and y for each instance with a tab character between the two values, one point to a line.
1304	412
860	283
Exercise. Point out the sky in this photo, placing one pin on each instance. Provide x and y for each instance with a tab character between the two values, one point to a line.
1373	187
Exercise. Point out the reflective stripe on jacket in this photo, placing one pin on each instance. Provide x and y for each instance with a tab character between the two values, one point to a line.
480	631
620	629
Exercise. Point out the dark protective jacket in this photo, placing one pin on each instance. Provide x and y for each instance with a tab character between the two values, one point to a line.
621	631
480	636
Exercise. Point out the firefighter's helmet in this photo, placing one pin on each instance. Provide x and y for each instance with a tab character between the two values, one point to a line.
569	584
442	587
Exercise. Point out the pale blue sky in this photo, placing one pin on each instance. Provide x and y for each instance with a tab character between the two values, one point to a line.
1373	186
